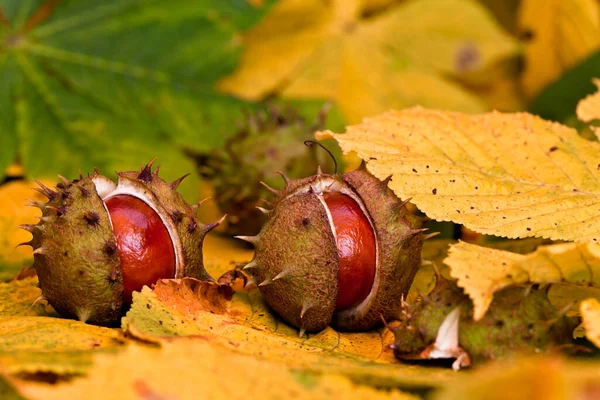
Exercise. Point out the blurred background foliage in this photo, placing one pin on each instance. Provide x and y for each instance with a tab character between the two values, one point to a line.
112	84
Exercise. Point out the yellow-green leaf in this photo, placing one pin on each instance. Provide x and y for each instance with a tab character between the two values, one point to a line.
558	35
590	312
246	325
547	378
46	344
512	175
483	271
21	298
316	49
195	369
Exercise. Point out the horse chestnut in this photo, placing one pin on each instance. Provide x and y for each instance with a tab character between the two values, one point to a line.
97	242
336	249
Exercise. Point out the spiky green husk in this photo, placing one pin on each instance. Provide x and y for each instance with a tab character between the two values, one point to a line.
75	251
76	256
269	140
296	260
518	321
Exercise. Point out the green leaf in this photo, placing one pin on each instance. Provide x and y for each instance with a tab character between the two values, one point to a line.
114	83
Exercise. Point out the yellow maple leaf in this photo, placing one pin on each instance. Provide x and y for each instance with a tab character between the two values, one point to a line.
588	109
482	271
560	34
316	49
512	175
195	369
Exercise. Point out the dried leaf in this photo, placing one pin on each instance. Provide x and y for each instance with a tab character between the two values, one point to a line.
316	49
446	344
188	307
558	35
512	175
483	271
194	368
590	312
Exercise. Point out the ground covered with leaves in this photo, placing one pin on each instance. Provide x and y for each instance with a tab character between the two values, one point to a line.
113	84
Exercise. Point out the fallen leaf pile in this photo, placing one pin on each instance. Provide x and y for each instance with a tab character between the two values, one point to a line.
106	84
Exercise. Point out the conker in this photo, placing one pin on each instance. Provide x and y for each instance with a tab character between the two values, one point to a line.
336	249
97	241
145	246
355	241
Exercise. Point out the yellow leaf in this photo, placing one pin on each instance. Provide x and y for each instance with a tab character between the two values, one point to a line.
588	109
432	254
45	344
21	298
483	271
590	312
195	369
370	6
222	254
547	378
569	297
512	175
246	325
15	171
562	33
316	49
13	198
